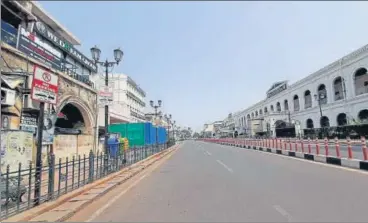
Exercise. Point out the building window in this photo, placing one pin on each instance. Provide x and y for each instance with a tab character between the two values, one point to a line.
307	99
339	88
286	105
361	81
278	106
310	124
296	103
322	91
341	119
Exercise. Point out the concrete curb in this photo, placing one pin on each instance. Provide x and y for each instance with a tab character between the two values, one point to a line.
48	206
344	162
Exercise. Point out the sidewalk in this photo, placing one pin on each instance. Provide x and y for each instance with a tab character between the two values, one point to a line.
71	202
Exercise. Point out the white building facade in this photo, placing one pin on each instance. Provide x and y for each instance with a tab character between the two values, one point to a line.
128	100
336	95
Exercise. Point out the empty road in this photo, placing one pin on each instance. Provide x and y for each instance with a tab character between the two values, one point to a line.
205	182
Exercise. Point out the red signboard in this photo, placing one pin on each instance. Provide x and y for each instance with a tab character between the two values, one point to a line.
44	85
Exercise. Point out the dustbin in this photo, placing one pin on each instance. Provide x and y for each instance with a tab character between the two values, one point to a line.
113	145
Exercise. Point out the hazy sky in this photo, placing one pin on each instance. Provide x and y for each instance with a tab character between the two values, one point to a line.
206	59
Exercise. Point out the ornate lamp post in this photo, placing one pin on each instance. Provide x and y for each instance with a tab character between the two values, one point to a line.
156	113
118	56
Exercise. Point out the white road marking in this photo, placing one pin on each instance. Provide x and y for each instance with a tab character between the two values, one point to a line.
208	153
225	166
317	163
284	213
108	204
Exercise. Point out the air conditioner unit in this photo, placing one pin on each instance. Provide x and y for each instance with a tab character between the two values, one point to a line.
7	96
29	103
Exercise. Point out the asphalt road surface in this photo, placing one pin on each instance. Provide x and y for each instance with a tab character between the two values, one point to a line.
205	182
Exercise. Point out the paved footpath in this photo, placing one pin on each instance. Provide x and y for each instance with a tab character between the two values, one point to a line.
205	182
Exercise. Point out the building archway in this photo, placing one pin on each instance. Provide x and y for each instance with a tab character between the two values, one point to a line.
341	119
363	116
78	114
325	122
70	120
279	124
284	129
310	124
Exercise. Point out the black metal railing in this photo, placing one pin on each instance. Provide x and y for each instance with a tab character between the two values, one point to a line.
61	176
341	132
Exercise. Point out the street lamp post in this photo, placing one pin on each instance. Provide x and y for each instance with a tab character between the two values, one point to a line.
118	56
170	125
319	98
156	114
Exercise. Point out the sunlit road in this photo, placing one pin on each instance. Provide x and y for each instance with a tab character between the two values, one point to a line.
205	182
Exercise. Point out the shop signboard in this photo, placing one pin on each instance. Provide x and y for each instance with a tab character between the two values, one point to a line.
9	34
64	45
44	85
28	122
34	47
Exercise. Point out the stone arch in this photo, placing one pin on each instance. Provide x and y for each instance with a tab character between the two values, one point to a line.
87	114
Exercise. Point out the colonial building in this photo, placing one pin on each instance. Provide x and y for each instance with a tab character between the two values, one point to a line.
128	100
228	127
335	95
32	38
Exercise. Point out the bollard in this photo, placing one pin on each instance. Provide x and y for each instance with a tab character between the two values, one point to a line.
296	145
337	146
273	143
317	146
290	146
350	150
364	148
285	144
309	146
326	146
302	145
281	144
